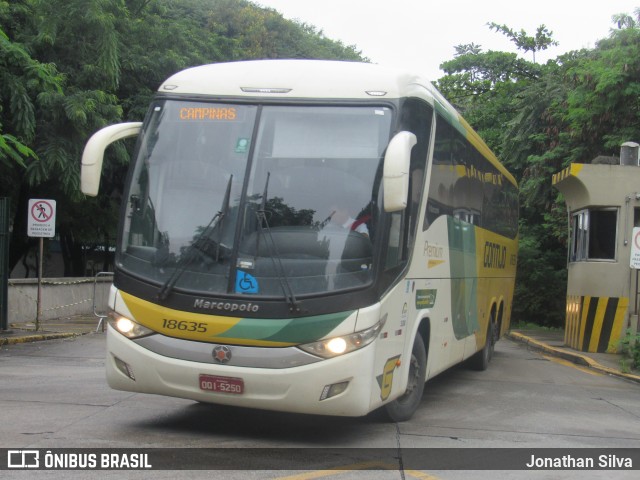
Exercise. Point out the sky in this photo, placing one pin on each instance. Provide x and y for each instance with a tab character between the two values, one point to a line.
418	35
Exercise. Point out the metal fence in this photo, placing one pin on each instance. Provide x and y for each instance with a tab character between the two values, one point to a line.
61	298
100	301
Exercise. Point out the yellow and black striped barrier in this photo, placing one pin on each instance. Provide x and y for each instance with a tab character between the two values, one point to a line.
571	171
594	324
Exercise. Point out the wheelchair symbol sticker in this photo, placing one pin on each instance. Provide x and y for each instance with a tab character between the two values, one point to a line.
246	283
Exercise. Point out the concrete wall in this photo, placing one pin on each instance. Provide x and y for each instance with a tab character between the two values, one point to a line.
60	297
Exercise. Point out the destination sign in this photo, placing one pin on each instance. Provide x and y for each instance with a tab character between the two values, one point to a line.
208	113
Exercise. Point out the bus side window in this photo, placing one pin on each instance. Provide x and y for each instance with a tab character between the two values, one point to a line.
440	192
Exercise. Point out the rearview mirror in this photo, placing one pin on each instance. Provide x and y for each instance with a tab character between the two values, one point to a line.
395	177
93	155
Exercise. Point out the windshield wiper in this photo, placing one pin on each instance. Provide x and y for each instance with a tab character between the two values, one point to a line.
189	255
287	290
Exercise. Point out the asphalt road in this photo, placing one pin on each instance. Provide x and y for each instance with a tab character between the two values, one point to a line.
53	395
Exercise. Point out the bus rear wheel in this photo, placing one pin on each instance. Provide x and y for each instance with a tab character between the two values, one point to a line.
403	407
480	361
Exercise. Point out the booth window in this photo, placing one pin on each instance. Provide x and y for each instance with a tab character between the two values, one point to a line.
593	234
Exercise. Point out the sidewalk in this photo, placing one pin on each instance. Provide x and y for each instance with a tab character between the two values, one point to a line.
49	329
549	342
552	343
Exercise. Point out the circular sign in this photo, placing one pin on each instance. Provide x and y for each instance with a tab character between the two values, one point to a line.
42	211
41	218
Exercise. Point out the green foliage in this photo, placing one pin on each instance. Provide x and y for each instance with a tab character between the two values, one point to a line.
539	119
540	41
603	106
70	67
53	88
22	79
521	325
80	36
484	87
630	348
12	149
541	279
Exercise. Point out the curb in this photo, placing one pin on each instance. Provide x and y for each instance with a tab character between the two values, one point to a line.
35	338
574	357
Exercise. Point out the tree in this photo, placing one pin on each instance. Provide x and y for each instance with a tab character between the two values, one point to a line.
603	108
507	100
483	86
24	84
58	107
14	62
22	79
539	42
624	20
539	119
70	67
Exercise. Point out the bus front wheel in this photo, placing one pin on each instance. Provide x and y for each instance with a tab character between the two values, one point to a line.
403	407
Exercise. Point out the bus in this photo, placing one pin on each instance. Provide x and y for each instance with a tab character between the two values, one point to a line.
305	236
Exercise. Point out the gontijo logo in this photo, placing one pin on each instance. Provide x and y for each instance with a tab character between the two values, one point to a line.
495	255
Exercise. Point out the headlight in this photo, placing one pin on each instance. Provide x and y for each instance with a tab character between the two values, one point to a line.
332	347
128	327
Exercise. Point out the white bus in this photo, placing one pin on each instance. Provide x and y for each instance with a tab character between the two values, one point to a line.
305	236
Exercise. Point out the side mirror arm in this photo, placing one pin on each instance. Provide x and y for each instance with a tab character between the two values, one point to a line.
395	175
93	155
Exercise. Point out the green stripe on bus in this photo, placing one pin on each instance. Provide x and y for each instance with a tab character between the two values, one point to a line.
464	282
293	330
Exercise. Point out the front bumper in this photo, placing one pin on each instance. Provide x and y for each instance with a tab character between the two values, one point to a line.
297	389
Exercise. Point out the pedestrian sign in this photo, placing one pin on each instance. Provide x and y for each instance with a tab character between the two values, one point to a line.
635	249
41	218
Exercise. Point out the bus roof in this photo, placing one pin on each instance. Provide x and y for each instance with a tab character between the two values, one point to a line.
317	79
297	79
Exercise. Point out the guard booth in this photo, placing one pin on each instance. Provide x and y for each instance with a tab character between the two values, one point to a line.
603	207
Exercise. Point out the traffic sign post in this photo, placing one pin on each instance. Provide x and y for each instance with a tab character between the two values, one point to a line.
41	223
635	249
634	260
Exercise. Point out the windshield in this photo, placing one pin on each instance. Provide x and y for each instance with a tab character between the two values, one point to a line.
258	200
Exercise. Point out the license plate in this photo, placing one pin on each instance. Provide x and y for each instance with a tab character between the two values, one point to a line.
213	383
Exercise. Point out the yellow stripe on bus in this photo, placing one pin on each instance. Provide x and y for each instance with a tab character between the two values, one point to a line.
154	316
